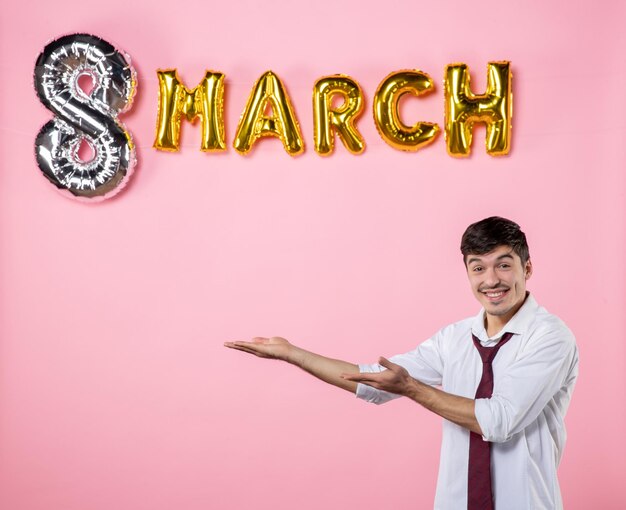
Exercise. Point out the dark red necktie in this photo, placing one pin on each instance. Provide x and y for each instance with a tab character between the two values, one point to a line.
479	493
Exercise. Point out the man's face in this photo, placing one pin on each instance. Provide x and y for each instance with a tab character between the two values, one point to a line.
498	280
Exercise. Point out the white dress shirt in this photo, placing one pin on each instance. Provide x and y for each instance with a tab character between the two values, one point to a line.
534	376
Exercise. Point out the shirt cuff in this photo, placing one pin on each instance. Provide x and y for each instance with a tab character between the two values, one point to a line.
490	421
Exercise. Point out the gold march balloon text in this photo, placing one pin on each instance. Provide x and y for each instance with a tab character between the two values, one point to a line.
90	118
462	110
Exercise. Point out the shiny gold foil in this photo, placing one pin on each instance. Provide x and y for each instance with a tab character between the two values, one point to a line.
463	109
387	117
328	119
206	101
268	91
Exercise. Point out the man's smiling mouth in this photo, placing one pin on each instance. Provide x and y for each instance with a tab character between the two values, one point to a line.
495	294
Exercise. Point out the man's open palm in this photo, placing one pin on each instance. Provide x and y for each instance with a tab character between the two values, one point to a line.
273	348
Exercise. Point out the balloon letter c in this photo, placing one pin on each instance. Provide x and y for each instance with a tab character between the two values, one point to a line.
387	117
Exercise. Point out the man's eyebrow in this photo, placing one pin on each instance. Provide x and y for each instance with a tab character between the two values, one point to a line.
503	256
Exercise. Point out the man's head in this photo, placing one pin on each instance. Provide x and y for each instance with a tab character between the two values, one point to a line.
495	253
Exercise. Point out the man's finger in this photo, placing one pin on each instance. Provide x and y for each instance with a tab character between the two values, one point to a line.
237	343
386	363
246	347
238	346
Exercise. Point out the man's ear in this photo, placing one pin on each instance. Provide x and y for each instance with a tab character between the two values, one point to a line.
528	269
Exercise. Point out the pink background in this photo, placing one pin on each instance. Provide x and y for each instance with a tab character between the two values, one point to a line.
115	389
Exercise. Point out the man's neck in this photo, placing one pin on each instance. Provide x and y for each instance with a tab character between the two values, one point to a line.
494	324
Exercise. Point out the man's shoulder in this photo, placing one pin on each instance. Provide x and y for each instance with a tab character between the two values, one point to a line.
456	330
548	325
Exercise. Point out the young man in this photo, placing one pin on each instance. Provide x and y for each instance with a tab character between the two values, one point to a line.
506	378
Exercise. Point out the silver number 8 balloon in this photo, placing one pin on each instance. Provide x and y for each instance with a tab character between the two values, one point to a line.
85	117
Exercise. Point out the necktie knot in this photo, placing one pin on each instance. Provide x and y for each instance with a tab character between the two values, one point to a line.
488	353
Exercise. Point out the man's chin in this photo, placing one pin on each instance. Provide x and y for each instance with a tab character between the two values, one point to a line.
498	311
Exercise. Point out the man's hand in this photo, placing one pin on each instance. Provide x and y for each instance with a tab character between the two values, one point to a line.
394	380
326	369
271	348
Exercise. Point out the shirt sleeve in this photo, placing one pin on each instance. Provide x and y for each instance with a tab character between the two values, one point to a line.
424	363
548	364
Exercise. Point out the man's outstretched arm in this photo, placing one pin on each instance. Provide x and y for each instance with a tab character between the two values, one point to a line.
327	369
342	374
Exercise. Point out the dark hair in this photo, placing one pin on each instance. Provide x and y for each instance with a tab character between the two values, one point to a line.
486	235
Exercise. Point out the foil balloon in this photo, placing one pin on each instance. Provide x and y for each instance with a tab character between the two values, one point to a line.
328	119
387	115
463	109
85	117
206	102
256	122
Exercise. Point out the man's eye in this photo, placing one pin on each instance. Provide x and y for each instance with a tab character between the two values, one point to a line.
477	269
504	266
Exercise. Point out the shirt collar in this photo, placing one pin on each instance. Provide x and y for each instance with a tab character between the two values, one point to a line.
517	325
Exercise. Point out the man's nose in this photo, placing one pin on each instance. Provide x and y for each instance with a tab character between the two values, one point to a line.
491	278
